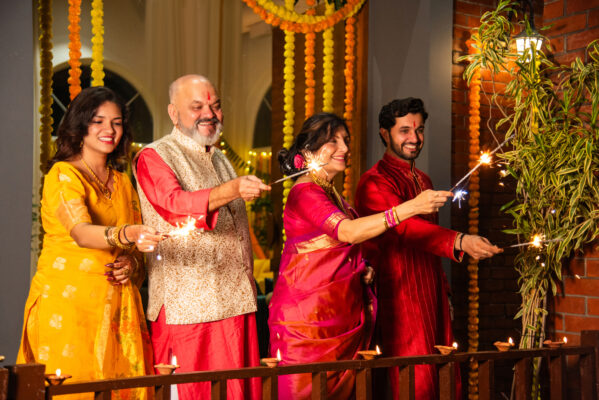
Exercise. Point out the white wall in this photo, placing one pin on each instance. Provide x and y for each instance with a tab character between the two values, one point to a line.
16	142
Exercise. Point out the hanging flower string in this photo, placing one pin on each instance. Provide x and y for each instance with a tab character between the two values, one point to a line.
97	65
310	64
289	20
74	79
473	221
348	72
327	63
288	94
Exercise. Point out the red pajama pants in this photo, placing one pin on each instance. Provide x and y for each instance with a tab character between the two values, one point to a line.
227	344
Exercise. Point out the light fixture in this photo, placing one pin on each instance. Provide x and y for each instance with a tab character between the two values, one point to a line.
529	39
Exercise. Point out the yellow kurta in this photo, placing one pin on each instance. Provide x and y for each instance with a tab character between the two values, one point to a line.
75	319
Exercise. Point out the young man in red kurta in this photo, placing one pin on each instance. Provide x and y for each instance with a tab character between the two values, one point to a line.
412	287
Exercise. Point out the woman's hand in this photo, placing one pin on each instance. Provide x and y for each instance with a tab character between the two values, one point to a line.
121	269
145	237
430	201
368	276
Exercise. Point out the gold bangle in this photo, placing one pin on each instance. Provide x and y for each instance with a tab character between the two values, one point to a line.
116	233
385	221
396	216
107	236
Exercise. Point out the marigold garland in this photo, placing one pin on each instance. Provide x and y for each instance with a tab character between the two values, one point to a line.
473	220
327	64
74	79
309	60
348	72
288	94
289	20
97	65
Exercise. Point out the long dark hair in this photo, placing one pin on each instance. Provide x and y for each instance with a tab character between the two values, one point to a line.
316	131
74	126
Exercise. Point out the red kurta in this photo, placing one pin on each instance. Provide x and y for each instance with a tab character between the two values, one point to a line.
412	287
226	344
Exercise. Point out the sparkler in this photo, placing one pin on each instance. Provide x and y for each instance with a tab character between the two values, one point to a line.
459	196
186	229
313	164
537	241
485	158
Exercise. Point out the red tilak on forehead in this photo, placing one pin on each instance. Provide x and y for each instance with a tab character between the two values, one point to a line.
414	124
208	95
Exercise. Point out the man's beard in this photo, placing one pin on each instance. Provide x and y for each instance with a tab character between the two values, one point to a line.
406	155
202	140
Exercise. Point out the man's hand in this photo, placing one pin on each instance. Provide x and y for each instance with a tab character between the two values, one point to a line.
250	187
478	247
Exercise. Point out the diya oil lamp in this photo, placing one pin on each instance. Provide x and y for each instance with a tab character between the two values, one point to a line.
555	344
56	378
370	354
167	369
504	346
447	350
272	361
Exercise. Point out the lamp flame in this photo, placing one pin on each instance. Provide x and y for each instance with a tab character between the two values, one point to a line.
378	349
510	341
174	360
58	372
279	354
565	340
455	345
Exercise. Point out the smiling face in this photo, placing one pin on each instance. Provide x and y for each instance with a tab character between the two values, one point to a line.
105	130
406	138
334	153
195	109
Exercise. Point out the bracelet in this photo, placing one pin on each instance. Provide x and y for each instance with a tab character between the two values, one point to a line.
398	221
108	238
461	237
116	232
390	220
125	234
385	221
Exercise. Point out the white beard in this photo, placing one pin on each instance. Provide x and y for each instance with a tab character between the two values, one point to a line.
201	139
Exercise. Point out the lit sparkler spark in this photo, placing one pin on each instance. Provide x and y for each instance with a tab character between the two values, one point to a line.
186	229
313	164
537	241
485	158
459	196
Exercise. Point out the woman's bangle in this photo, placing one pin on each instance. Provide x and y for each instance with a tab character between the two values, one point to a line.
116	233
108	237
398	221
125	234
385	221
461	237
390	220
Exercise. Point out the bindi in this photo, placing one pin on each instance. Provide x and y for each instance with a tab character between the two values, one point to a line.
208	95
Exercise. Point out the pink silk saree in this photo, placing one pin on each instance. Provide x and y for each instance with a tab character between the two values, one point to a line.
320	308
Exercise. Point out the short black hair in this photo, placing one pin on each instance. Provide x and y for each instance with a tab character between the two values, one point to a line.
397	109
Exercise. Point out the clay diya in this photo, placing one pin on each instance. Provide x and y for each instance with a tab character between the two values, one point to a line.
166	369
57	378
555	344
504	346
447	350
272	361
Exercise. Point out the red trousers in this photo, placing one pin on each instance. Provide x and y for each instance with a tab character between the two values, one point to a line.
227	344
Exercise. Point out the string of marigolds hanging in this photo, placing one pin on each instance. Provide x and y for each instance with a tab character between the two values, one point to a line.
289	20
97	66
45	21
327	63
74	79
310	64
348	72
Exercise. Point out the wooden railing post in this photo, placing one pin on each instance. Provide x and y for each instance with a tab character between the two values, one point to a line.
589	366
26	381
319	385
523	379
219	390
557	377
406	383
364	384
270	387
162	392
103	395
447	381
486	380
3	383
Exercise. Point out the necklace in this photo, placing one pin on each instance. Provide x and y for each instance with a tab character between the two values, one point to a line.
330	190
103	186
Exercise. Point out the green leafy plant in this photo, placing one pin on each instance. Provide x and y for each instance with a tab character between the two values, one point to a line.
552	112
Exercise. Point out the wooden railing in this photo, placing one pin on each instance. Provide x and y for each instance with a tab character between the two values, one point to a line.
26	381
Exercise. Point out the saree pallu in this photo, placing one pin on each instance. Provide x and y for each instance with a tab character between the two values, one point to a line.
75	319
320	309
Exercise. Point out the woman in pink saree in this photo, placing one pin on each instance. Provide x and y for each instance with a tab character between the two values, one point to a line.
323	308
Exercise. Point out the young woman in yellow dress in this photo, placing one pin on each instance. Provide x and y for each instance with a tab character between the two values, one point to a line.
84	313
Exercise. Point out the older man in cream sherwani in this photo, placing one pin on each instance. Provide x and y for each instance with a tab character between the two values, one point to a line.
202	296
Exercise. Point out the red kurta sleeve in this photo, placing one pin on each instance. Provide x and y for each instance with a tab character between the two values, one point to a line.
378	195
162	189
